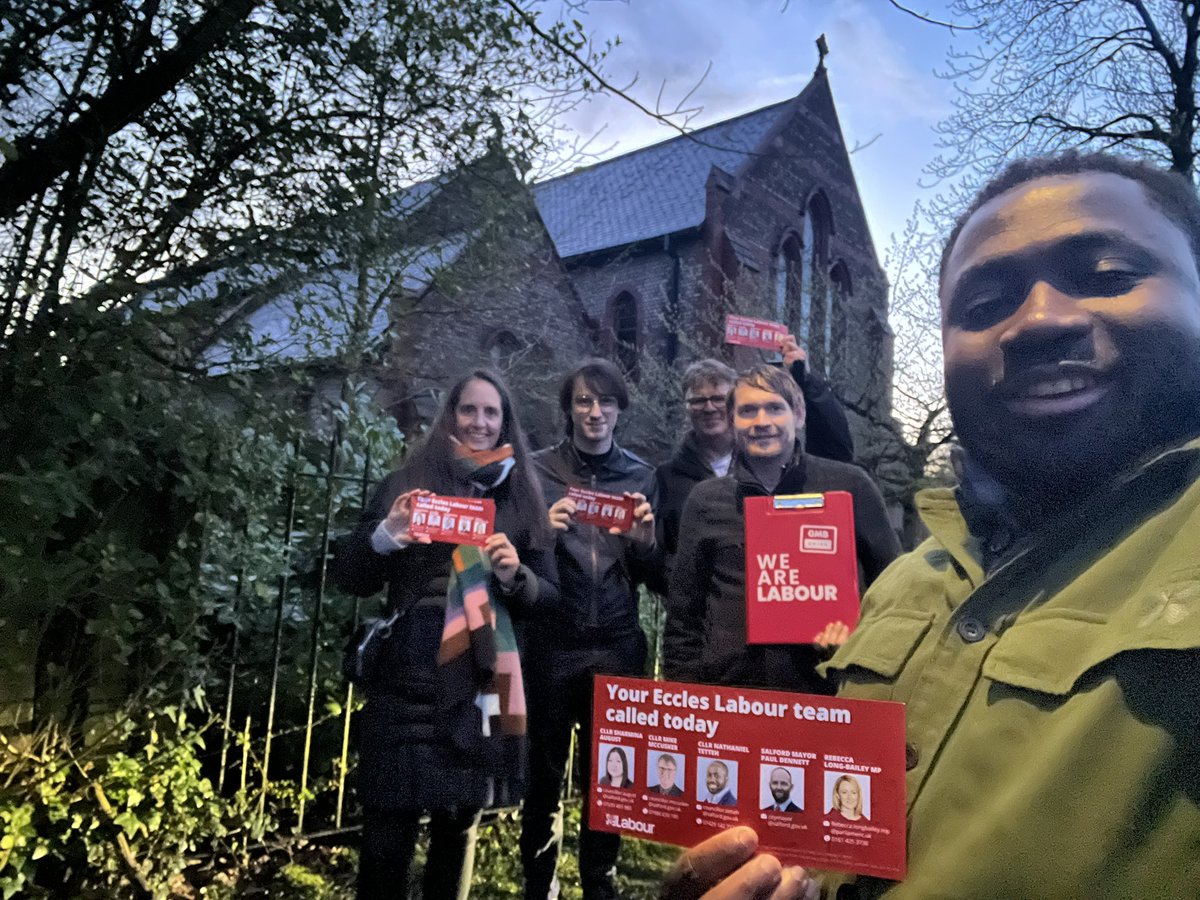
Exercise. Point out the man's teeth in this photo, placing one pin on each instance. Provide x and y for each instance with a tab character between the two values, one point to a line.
1055	388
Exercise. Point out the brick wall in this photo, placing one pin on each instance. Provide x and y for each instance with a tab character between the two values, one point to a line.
507	304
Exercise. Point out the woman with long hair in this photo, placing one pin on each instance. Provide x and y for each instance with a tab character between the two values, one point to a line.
616	769
443	730
847	799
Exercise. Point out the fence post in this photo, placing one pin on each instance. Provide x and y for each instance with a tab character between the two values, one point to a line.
318	607
277	646
226	731
345	755
245	775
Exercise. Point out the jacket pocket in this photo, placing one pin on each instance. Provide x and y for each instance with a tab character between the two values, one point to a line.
1050	649
417	687
881	645
1048	653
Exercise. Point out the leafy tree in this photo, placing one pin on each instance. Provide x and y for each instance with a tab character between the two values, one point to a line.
239	111
149	149
149	143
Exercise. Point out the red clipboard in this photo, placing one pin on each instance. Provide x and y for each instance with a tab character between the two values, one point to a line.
801	566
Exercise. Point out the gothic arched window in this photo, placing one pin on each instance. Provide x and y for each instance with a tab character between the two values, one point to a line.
835	321
788	270
502	347
818	225
624	328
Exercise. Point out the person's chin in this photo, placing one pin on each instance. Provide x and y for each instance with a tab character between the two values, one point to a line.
1050	455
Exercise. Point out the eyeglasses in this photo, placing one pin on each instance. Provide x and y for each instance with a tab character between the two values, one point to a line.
717	400
584	403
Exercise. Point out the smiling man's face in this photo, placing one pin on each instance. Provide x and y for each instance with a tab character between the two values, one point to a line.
764	422
1071	329
716	777
706	408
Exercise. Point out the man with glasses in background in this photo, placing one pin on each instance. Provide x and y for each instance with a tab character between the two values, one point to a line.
595	629
707	449
705	635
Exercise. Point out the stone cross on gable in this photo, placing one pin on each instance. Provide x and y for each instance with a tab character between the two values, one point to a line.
822	52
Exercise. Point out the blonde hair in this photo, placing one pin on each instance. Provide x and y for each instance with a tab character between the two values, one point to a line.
772	379
837	803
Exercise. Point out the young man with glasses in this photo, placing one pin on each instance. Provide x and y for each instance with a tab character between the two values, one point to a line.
595	627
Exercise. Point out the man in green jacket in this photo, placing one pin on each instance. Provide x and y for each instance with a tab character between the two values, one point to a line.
1046	637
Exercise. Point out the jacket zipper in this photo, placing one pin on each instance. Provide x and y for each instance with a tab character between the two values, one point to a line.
595	617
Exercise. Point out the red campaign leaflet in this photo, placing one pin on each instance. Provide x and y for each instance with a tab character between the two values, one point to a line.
821	779
453	520
748	332
601	509
801	566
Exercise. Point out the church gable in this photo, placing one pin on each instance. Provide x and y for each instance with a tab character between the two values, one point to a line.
759	214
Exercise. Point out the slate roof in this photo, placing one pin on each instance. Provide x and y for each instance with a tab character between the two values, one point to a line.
650	192
312	321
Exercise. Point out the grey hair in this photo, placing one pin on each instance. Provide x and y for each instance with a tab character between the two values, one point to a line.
707	371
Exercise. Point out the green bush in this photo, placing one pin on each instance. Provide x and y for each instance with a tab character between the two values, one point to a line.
141	529
298	882
127	807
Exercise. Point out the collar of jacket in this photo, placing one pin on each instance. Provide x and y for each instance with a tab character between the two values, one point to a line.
564	459
985	508
967	519
791	480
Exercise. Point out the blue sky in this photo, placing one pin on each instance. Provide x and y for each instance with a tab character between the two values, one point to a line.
881	69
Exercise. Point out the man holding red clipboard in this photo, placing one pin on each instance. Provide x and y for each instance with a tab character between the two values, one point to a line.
707	449
705	638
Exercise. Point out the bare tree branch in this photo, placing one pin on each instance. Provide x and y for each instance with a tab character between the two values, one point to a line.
859	145
925	18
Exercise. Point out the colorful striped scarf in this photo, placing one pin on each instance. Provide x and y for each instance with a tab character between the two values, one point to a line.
478	655
479	644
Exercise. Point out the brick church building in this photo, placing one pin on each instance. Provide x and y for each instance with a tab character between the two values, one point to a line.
759	214
637	258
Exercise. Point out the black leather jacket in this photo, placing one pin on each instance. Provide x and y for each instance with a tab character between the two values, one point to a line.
598	572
